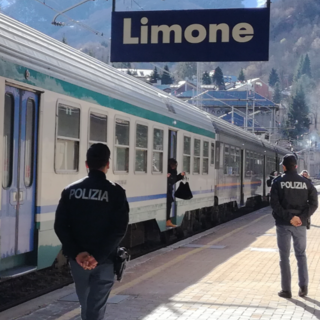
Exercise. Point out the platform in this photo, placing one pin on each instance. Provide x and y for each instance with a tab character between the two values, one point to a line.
228	272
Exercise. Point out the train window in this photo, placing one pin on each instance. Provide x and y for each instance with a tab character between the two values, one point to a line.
122	132
217	162
29	143
186	154
68	139
8	141
157	157
98	128
141	148
227	160
196	158
248	170
212	153
205	160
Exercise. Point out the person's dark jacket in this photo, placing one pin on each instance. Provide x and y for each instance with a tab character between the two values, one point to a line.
92	216
270	180
293	195
174	178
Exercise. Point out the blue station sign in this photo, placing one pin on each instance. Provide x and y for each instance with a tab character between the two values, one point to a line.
191	35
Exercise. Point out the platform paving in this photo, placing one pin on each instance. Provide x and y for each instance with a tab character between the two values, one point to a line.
229	272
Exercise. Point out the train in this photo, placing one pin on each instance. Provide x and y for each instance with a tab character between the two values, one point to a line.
56	101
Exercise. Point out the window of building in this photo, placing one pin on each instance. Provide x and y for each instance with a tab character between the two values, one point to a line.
68	139
205	159
141	148
186	154
98	128
122	133
157	157
197	155
29	143
8	141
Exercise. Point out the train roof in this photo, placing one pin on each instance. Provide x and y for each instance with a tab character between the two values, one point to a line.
32	49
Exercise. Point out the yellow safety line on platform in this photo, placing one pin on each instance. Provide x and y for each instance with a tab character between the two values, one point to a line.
155	271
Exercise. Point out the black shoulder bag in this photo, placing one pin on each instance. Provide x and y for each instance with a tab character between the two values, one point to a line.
183	191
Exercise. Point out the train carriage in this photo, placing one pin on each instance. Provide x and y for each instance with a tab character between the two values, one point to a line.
55	101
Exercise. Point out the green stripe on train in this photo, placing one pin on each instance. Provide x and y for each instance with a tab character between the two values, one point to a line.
41	80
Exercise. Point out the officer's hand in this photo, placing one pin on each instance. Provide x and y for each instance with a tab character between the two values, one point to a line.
296	221
82	258
91	263
183	173
168	175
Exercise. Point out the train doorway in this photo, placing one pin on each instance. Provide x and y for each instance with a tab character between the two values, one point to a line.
242	178
18	207
172	153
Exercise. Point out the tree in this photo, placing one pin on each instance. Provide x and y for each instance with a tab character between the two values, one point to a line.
206	80
218	79
298	72
165	77
306	67
155	76
129	72
273	78
277	93
241	76
64	39
298	122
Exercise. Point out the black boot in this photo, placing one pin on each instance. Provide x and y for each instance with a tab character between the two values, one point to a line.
285	294
303	291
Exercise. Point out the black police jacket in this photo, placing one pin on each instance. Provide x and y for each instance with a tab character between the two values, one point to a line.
293	195
92	216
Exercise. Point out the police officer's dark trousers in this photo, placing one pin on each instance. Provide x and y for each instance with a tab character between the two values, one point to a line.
93	288
299	235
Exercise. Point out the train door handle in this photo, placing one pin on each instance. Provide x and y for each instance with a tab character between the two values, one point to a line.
21	196
14	197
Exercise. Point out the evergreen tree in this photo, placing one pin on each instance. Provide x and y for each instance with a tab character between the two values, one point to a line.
277	93
298	72
241	76
218	79
165	77
155	76
206	80
129	72
273	78
298	115
306	66
64	39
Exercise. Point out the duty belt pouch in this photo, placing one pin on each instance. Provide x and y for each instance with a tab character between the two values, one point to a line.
120	263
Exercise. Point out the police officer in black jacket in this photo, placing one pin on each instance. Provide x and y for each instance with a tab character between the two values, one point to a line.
91	220
293	200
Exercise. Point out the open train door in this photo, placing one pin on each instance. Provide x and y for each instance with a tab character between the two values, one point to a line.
242	177
172	153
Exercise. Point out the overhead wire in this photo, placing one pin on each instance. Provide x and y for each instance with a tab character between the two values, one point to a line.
97	33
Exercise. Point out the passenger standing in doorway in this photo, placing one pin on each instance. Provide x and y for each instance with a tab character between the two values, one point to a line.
293	200
173	177
91	220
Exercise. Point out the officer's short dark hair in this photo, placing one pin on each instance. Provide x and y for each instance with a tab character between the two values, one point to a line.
98	156
289	161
